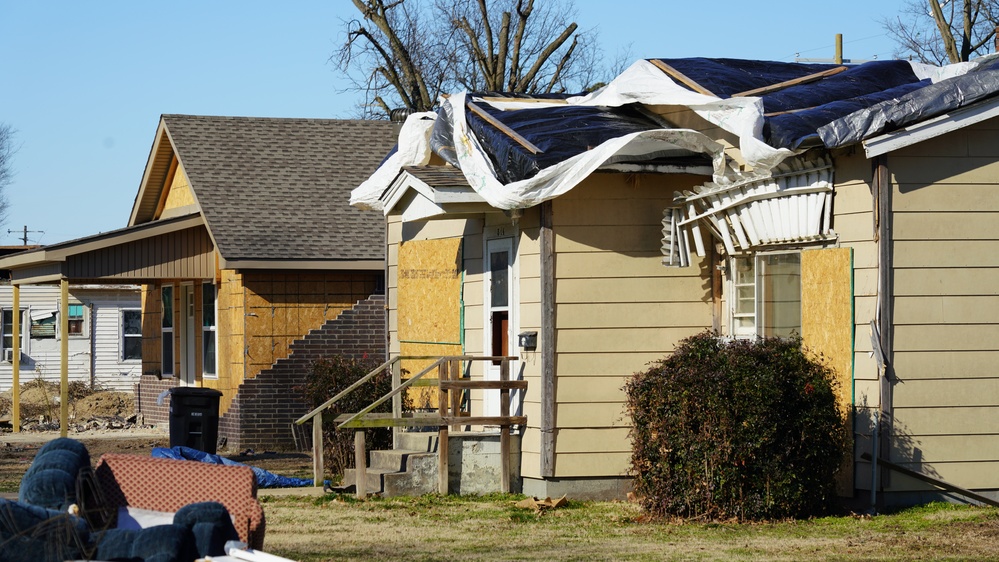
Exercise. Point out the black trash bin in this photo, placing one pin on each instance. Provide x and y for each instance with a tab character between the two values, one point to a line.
194	418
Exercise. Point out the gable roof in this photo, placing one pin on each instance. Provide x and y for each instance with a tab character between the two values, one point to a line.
273	189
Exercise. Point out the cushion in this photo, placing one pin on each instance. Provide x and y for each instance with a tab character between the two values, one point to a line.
134	518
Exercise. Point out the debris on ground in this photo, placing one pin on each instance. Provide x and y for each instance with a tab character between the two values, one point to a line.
542	505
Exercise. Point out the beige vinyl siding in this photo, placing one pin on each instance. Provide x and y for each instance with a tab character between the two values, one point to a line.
853	222
617	309
946	219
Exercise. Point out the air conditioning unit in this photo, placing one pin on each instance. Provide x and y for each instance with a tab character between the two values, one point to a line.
8	355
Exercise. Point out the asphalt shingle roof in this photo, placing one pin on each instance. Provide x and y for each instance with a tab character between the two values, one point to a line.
278	189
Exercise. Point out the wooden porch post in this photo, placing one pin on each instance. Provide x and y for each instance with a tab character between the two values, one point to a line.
396	400
64	358
16	333
318	470
360	465
505	429
442	434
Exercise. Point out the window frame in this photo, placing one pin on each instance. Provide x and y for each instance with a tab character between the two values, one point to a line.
758	316
84	324
122	335
25	334
166	332
209	331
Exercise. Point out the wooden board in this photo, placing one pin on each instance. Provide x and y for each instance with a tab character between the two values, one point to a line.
179	194
827	313
429	305
827	324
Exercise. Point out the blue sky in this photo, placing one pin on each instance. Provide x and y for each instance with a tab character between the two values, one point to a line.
84	83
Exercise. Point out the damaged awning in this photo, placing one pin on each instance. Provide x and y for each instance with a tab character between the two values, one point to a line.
791	206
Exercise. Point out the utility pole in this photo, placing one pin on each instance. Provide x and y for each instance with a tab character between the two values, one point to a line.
838	54
24	237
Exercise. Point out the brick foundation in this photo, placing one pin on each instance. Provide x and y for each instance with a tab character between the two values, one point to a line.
264	408
147	391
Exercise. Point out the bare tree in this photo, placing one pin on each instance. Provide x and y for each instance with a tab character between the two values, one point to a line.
7	150
944	31
406	53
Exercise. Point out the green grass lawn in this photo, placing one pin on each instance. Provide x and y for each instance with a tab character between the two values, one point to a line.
491	528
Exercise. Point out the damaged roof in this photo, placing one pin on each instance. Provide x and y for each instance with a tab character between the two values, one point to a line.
518	151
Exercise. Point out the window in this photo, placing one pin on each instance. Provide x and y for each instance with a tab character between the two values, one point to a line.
131	334
208	329
166	316
75	320
765	295
43	324
8	329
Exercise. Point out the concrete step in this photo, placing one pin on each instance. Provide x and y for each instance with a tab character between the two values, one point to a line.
419	478
393	460
374	479
424	441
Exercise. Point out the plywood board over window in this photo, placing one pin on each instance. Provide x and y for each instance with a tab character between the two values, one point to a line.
429	303
827	321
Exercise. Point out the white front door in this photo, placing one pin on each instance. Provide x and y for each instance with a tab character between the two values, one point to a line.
500	312
187	331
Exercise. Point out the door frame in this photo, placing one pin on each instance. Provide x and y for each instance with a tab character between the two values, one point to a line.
499	242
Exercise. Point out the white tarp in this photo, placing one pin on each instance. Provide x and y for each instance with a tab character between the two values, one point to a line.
642	83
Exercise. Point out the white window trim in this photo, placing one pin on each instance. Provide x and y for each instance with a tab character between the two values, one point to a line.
214	375
85	333
25	331
122	336
732	290
167	332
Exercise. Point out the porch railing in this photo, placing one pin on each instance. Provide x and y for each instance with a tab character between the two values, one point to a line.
451	378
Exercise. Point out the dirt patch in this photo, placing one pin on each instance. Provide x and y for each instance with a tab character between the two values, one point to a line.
104	404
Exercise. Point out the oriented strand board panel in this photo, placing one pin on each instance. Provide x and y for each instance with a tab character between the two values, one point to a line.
827	324
180	194
230	328
429	314
827	312
282	307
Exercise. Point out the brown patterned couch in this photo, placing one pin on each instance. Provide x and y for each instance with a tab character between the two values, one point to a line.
167	485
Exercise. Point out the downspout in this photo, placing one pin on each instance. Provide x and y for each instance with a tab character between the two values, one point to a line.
93	345
885	327
548	342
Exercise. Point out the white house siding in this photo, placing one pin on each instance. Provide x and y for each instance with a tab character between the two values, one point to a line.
101	340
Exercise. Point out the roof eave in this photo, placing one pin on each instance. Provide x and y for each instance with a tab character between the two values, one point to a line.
319	265
931	128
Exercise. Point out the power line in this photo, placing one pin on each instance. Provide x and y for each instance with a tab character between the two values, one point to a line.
24	238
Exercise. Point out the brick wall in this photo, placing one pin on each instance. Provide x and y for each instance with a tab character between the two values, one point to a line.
265	407
147	391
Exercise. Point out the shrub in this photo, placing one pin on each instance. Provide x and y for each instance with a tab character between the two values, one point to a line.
329	377
736	429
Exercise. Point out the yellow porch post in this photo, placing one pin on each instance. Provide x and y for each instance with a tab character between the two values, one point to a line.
16	344
64	358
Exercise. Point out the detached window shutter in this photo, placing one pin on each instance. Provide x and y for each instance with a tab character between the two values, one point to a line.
675	247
